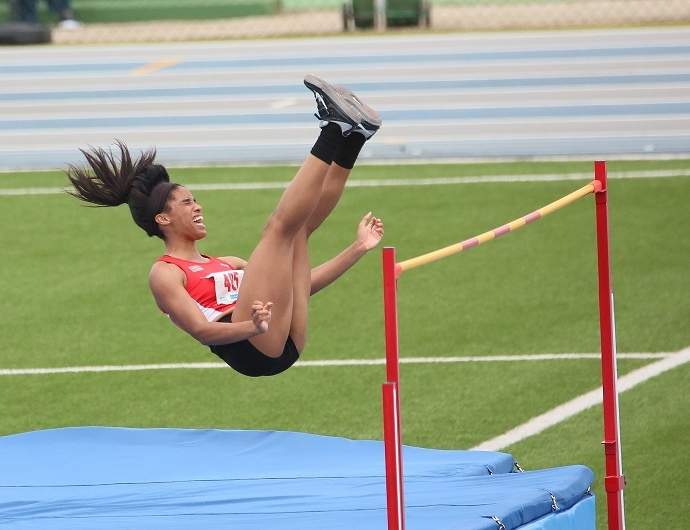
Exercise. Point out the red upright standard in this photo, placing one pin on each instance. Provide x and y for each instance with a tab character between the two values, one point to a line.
614	481
391	397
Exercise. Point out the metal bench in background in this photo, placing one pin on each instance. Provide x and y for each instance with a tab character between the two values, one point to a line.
361	14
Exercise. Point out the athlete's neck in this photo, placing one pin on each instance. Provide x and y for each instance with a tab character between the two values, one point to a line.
184	250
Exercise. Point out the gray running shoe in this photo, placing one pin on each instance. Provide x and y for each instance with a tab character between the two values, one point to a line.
332	106
371	120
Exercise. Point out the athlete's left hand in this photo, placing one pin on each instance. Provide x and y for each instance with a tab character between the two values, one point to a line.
369	231
261	315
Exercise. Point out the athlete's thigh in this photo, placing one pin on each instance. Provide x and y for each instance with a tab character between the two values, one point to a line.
268	278
301	288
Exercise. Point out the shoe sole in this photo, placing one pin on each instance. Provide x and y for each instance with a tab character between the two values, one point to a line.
328	91
369	115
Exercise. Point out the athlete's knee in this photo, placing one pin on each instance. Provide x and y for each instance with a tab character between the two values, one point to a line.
299	340
279	226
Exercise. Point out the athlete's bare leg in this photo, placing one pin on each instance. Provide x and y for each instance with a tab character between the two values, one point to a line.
269	273
278	269
333	187
301	283
330	195
332	190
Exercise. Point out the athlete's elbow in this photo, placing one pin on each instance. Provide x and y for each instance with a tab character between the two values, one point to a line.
315	284
204	341
202	333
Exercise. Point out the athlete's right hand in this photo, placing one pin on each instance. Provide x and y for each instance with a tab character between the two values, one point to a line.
261	315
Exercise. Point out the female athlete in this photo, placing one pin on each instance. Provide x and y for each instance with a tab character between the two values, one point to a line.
252	314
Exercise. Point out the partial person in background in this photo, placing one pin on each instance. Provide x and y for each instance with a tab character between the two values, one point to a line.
27	11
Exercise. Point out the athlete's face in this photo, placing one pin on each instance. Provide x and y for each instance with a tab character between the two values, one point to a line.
183	215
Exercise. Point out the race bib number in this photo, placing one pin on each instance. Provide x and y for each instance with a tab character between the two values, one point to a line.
227	285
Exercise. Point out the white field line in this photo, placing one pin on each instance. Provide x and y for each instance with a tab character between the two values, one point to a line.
378	183
583	402
330	363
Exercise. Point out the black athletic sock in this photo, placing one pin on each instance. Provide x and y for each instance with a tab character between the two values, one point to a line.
328	142
347	153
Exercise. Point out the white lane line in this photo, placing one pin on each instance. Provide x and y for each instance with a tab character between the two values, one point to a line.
334	362
251	102
581	403
377	183
238	105
281	103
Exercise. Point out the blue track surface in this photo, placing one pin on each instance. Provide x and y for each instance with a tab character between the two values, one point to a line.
113	478
381	87
300	118
278	62
592	94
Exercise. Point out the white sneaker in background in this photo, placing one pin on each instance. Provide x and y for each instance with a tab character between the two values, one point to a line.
69	24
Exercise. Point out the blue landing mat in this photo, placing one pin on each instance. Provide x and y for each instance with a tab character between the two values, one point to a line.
150	479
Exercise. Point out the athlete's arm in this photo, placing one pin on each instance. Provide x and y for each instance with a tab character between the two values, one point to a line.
369	234
167	285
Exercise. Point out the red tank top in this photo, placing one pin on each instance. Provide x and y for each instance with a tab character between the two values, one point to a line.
213	285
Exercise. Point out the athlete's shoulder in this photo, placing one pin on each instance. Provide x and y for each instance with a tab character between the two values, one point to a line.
233	261
163	269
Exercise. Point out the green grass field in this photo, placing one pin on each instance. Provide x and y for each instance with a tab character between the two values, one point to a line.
103	11
75	293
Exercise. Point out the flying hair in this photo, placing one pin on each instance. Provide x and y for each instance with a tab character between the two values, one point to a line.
114	178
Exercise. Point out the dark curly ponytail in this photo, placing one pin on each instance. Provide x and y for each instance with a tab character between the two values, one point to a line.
110	180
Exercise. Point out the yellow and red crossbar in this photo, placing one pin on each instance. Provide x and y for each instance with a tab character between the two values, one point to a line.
475	241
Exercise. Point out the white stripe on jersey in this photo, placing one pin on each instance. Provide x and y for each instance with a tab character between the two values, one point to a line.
211	314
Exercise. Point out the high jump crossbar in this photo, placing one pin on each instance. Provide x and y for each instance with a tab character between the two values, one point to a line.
614	481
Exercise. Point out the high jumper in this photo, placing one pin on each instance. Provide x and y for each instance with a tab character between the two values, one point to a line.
253	313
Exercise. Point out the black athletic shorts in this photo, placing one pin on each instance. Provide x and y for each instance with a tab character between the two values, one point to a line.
247	360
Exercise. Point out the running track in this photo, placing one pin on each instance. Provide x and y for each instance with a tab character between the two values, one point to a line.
578	93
